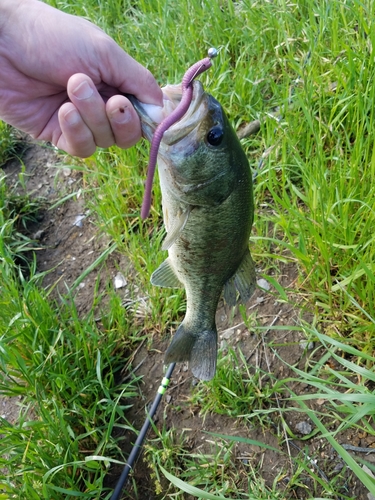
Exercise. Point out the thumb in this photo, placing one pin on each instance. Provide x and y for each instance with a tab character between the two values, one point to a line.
130	77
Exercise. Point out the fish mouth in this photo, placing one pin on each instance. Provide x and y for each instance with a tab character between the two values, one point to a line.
151	116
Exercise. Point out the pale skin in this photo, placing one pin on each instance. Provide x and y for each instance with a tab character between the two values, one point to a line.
62	80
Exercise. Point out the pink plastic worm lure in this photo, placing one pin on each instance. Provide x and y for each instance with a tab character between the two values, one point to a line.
187	94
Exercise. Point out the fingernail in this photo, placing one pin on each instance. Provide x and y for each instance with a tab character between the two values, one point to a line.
72	117
121	115
83	91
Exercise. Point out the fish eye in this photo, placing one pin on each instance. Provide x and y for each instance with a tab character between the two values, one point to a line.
215	135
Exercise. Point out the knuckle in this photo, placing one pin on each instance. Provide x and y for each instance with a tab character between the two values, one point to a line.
149	78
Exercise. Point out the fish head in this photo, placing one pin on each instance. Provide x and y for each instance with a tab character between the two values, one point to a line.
200	158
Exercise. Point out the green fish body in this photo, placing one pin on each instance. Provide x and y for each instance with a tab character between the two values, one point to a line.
208	213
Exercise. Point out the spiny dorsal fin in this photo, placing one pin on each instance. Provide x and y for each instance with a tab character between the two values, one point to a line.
165	276
245	278
176	229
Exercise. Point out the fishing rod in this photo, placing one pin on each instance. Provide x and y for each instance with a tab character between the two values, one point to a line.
142	434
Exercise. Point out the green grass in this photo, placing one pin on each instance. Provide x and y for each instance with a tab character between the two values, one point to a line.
64	369
315	208
236	391
9	143
214	474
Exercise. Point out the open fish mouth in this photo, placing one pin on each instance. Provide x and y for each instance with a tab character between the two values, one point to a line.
151	116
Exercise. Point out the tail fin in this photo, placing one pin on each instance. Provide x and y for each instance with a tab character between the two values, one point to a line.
200	349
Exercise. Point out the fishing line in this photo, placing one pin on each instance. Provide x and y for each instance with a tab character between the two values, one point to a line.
142	434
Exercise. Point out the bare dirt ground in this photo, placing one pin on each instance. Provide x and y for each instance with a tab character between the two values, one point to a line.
69	244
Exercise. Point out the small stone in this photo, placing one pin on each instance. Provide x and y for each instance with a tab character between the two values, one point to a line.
38	235
304	428
66	172
227	334
119	281
338	467
262	283
78	221
368	471
305	344
223	345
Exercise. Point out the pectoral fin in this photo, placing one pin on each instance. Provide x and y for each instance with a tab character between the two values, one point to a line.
165	276
176	229
244	280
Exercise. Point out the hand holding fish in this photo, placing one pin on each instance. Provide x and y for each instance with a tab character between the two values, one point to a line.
63	80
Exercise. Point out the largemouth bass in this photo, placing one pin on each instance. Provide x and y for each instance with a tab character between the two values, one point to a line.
208	212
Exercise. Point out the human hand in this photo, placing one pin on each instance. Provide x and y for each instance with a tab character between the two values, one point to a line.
61	80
